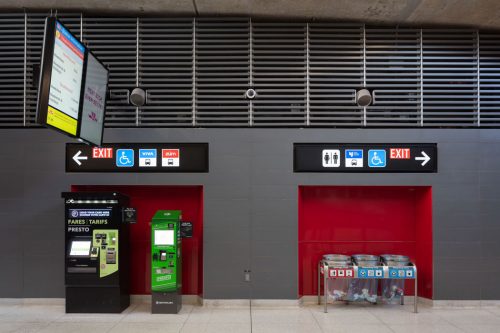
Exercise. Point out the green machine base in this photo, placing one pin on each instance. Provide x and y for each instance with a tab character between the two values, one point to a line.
166	302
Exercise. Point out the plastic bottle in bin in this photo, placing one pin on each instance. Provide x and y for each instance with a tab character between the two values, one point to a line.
393	289
337	288
364	289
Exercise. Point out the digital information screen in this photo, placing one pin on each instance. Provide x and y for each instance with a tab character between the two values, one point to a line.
65	81
80	248
94	101
164	237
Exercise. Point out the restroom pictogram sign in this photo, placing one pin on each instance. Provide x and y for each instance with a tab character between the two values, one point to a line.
365	157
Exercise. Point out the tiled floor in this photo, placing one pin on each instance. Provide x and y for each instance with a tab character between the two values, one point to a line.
340	318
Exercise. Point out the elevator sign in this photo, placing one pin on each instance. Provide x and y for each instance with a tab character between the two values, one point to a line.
137	157
367	158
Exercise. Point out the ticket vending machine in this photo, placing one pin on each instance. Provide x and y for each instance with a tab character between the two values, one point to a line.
97	253
166	262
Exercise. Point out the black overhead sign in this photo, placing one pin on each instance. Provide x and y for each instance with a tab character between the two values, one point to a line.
137	157
370	157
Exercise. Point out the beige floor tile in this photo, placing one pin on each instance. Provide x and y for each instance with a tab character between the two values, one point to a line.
359	316
216	328
167	327
8	308
311	319
282	327
194	328
355	328
218	315
227	328
90	317
425	327
29	317
403	317
76	327
459	317
493	309
20	327
282	316
480	328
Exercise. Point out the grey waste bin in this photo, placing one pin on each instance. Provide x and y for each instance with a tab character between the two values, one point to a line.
364	289
337	288
393	289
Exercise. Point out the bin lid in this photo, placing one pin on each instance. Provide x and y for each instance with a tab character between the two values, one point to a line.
336	257
365	257
395	257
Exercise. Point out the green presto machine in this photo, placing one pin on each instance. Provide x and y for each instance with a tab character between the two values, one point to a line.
97	253
166	262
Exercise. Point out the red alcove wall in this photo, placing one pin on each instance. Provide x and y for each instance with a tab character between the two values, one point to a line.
147	200
365	219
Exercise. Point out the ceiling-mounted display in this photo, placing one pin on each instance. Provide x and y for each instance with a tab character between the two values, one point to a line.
94	101
73	84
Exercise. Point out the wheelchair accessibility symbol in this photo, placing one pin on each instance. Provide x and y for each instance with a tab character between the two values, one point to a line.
125	158
376	158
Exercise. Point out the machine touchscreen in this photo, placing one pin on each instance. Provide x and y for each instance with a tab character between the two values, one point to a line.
164	237
80	248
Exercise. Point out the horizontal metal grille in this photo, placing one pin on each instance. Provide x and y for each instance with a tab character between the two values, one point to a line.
196	71
393	72
222	72
12	86
450	78
166	71
489	79
114	42
335	73
279	74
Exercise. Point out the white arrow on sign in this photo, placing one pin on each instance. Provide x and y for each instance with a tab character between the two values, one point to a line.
77	158
425	158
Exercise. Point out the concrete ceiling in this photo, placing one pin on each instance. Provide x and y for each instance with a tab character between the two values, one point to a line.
475	13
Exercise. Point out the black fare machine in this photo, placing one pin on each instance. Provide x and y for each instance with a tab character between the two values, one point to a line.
97	252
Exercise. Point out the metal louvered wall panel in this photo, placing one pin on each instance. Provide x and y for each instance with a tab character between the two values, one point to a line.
449	78
393	72
35	26
489	78
166	71
335	73
222	72
279	74
114	42
196	70
12	85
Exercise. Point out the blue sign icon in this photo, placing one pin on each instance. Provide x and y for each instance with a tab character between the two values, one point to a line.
147	157
354	158
147	153
401	273
376	158
125	158
354	153
370	273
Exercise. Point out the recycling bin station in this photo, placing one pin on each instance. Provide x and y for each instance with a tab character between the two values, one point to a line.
362	279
